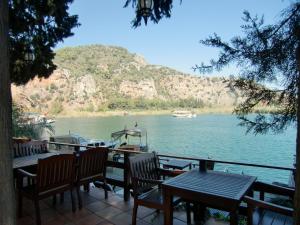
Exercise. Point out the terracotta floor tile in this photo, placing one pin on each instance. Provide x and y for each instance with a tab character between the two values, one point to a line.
144	212
109	212
96	206
89	220
105	222
25	220
121	219
79	214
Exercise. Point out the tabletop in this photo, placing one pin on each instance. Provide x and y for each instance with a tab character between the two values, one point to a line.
30	160
212	183
177	164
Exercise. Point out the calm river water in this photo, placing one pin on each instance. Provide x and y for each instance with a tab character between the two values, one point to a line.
215	136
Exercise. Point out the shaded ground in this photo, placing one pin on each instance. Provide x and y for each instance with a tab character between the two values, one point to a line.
97	211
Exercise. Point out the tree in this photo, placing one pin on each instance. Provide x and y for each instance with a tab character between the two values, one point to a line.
29	30
265	54
35	27
7	206
21	127
160	9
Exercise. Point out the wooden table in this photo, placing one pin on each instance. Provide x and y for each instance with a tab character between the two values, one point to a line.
209	188
30	160
177	164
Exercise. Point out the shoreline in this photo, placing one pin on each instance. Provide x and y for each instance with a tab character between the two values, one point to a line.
206	110
75	114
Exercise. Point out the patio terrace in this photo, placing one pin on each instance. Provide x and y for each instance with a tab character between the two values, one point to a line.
118	207
96	211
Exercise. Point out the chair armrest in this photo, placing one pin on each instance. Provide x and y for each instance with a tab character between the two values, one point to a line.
273	189
170	173
149	181
252	203
24	173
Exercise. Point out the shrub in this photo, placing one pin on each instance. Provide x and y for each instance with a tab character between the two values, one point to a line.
56	107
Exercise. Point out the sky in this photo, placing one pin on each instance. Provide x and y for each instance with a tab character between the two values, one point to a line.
173	42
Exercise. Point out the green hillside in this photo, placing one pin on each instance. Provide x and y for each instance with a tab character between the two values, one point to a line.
100	78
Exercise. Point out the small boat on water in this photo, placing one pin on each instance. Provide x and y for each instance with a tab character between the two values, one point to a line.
131	139
36	119
72	138
184	114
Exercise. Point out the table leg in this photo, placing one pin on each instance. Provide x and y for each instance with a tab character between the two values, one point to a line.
199	213
233	218
168	212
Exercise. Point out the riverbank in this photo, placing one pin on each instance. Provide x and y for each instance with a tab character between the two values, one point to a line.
205	110
74	114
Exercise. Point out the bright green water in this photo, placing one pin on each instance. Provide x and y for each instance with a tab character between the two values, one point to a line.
216	136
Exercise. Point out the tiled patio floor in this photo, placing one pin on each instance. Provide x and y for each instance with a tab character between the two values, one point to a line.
96	211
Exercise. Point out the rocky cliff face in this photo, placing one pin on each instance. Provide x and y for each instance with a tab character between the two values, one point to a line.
91	77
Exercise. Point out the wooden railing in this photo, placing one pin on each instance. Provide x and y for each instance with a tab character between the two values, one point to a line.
124	180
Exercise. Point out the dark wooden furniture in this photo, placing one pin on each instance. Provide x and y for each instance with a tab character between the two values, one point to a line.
146	180
91	168
54	175
260	212
26	148
31	160
210	188
177	164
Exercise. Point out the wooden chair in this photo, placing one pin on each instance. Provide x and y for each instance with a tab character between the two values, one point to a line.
260	212
27	148
54	175
91	168
146	180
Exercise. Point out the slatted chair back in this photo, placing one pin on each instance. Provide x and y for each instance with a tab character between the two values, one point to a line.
143	167
92	163
55	172
27	148
38	147
22	149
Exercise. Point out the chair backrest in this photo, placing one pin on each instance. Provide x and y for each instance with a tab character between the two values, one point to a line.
38	147
29	148
143	166
55	172
92	162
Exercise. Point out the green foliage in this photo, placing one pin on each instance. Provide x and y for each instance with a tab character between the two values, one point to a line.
53	86
264	54
90	108
21	128
35	27
35	97
161	8
154	104
56	107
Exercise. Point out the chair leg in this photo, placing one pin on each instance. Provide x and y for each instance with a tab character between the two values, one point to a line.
188	213
37	212
134	213
72	200
20	205
86	187
105	190
62	197
79	197
54	199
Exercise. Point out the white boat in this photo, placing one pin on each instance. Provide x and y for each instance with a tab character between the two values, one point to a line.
184	114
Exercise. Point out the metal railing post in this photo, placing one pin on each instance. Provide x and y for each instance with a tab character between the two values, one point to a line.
126	177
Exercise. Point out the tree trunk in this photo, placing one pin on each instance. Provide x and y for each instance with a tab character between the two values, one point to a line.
7	198
297	178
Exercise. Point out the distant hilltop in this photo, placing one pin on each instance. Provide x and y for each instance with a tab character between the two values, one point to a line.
98	78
